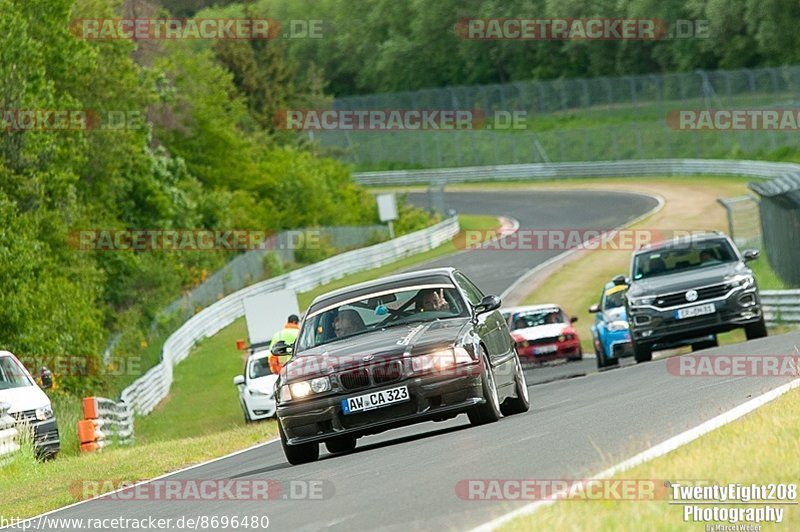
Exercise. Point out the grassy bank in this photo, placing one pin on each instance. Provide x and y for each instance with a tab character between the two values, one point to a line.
760	448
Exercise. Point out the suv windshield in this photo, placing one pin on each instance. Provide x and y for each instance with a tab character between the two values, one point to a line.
380	310
11	374
680	258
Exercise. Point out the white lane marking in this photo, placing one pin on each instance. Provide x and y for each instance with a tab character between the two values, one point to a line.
73	505
654	452
718	382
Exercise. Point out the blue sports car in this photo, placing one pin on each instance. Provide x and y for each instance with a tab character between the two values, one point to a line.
612	339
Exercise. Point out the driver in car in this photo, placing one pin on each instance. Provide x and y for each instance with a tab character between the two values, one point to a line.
432	299
347	322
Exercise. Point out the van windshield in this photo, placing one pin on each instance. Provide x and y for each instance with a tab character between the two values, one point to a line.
12	375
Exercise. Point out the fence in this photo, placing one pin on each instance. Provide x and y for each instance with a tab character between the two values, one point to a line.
605	118
8	432
780	222
781	307
105	422
744	224
146	392
249	267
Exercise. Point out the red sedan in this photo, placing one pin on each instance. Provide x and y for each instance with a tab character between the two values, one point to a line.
543	332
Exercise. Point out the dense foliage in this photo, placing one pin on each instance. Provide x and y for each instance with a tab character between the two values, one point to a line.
199	156
389	45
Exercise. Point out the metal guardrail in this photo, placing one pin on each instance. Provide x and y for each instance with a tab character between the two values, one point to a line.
147	391
105	422
539	171
8	432
781	307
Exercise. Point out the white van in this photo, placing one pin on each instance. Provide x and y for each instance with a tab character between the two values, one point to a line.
29	404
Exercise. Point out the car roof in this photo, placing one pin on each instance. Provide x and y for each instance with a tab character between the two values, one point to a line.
512	310
400	280
694	237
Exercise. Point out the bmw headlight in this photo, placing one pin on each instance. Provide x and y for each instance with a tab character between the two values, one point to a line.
299	390
44	413
440	360
618	325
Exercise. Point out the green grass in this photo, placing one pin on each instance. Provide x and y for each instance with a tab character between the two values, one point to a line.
760	448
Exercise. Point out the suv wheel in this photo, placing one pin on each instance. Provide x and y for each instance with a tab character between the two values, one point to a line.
298	454
756	330
705	344
642	352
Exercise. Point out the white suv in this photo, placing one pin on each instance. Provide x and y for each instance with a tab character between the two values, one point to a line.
28	405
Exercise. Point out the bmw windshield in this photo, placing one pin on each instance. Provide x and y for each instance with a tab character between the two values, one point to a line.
381	310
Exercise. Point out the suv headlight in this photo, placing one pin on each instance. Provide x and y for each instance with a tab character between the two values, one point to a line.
642	301
618	325
44	413
741	281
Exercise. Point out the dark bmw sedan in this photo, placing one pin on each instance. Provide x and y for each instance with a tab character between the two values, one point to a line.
420	346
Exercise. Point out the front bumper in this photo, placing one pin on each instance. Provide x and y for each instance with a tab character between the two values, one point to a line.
46	440
432	397
660	327
617	344
260	406
565	349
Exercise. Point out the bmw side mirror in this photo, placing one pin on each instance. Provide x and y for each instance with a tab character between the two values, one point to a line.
751	254
238	380
594	309
620	280
281	348
488	304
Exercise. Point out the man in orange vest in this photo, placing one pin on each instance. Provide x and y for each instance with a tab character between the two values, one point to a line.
287	334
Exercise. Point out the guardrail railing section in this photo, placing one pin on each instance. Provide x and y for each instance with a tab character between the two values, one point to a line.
106	422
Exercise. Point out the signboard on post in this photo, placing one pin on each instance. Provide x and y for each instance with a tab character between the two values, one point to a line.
265	314
387	210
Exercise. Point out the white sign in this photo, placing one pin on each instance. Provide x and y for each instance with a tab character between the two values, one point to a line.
387	207
266	314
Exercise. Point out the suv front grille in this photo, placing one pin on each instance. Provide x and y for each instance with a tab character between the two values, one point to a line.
27	416
679	298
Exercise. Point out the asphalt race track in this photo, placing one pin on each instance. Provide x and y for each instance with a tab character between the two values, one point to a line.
406	478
